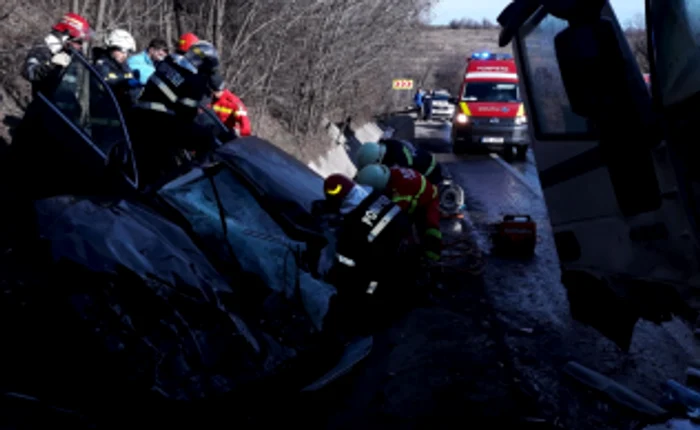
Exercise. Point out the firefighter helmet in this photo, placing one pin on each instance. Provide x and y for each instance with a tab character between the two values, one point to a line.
122	40
74	25
204	56
374	175
186	41
370	153
337	186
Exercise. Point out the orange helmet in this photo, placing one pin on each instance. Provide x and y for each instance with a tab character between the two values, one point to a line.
336	187
74	25
186	41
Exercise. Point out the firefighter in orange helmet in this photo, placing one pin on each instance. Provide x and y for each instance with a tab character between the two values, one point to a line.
185	42
229	108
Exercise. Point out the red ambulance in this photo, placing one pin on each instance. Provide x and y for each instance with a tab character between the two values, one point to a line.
490	113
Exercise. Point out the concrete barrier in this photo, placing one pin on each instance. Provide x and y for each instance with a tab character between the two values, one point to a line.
345	143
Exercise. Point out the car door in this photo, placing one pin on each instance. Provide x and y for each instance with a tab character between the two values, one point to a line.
612	198
82	130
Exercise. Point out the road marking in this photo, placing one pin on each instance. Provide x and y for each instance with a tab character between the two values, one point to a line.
519	176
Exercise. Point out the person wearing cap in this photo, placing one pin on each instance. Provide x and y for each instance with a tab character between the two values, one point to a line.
144	63
229	108
45	61
414	193
368	239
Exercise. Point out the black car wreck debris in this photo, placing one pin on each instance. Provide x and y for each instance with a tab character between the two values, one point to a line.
123	299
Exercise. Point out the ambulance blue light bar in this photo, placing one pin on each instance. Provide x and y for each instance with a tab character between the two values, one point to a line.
490	56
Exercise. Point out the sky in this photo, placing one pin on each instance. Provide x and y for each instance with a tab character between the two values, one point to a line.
447	10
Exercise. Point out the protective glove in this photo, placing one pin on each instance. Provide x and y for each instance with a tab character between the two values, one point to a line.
61	59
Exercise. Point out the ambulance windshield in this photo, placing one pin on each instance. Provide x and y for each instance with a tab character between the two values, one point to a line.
491	92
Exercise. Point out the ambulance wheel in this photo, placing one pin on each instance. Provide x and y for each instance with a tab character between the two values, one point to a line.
521	154
508	152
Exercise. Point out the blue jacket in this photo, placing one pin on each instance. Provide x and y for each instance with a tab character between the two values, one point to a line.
142	63
418	98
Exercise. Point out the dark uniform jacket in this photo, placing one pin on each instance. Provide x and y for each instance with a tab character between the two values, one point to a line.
367	244
125	86
39	70
404	154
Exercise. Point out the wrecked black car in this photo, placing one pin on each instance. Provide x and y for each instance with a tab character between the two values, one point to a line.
124	299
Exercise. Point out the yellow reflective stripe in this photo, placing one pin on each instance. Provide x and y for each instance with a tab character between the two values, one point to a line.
435	191
335	191
465	108
111	76
241	113
409	156
128	75
433	163
414	198
432	255
222	109
414	201
434	232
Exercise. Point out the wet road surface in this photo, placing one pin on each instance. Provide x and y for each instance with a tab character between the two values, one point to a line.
493	346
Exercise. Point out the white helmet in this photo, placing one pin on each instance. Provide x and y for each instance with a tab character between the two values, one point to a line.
370	153
121	39
374	175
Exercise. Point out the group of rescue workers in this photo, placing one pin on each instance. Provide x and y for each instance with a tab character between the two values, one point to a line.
394	195
130	74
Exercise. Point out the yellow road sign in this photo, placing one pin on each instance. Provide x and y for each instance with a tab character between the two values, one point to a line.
402	84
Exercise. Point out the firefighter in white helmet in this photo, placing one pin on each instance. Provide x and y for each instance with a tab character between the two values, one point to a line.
110	61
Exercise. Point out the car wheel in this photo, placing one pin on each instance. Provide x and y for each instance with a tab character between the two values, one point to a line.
508	152
521	154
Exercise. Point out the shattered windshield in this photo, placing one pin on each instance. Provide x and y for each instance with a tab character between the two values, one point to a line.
552	110
491	92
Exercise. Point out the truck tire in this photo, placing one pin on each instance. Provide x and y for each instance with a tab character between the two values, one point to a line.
521	154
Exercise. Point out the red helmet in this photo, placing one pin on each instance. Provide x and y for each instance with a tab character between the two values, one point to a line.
74	25
336	187
186	41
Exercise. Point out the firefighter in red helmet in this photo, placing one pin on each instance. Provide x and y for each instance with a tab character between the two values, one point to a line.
185	42
45	60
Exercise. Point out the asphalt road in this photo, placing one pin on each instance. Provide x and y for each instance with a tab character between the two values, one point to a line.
493	346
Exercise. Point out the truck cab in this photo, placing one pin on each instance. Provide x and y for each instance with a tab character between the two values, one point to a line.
490	114
617	159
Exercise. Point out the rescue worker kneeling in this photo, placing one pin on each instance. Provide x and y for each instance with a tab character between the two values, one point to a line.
371	270
415	194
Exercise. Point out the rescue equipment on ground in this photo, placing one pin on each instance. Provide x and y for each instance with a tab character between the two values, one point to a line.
516	234
451	199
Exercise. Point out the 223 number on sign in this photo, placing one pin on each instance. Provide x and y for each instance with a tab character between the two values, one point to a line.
402	84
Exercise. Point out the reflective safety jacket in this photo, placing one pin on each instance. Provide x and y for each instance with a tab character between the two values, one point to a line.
403	154
419	197
176	86
232	112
